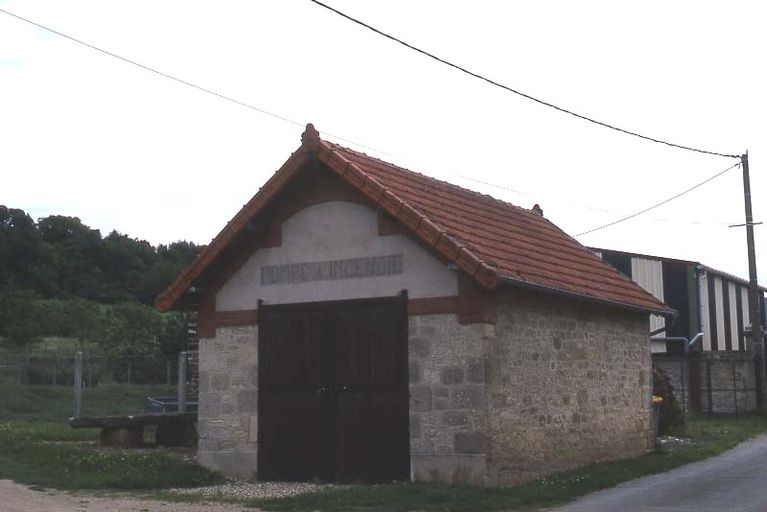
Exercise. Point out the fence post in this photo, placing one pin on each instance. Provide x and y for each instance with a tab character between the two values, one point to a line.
682	385
78	384
710	391
182	382
735	387
26	364
89	371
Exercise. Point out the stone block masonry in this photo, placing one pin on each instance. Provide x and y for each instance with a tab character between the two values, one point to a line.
228	401
553	385
448	400
568	384
725	382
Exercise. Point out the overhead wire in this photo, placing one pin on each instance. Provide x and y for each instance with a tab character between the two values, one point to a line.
296	123
181	80
515	91
589	208
661	203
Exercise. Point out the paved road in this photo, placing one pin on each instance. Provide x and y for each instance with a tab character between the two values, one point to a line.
733	481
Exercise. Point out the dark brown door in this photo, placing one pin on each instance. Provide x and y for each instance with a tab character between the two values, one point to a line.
333	391
290	402
372	391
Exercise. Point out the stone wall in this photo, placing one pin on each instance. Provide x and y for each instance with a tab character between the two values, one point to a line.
677	368
569	384
726	380
555	384
448	400
228	381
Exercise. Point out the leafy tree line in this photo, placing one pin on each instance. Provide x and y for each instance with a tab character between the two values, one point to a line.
60	257
59	277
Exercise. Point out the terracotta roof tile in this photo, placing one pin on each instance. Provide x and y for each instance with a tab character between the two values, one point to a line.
517	243
491	240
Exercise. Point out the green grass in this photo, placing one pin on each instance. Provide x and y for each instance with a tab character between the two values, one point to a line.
710	436
54	403
38	447
56	456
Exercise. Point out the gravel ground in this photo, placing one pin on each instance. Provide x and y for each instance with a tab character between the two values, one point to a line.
20	498
257	490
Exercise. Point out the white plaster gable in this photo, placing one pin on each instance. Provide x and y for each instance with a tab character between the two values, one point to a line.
335	231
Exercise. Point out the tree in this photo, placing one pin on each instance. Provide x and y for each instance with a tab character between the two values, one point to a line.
60	257
170	260
173	337
19	247
75	252
20	314
131	330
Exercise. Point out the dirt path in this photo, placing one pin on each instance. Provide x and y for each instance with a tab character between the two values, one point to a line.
20	498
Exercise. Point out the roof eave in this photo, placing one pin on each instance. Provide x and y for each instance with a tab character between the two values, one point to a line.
173	294
727	275
666	312
430	233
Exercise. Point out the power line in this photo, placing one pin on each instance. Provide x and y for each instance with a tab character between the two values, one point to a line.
519	93
591	208
660	203
296	123
182	81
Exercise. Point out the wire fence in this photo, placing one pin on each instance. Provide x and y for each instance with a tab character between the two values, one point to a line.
47	370
711	382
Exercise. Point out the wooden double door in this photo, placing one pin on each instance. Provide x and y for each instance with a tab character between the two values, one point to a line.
333	391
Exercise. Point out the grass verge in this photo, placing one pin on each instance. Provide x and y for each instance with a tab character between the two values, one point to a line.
54	403
708	437
54	455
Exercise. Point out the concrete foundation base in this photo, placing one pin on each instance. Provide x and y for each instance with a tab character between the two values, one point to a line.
448	469
242	465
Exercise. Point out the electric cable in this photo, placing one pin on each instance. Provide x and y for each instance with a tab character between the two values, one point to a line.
519	93
589	208
656	205
296	123
182	81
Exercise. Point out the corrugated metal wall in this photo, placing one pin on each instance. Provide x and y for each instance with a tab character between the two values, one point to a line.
648	274
725	312
723	300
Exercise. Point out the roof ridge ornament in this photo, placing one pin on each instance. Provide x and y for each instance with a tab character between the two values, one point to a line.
310	139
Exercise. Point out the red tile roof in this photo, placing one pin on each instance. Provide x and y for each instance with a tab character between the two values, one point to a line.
493	241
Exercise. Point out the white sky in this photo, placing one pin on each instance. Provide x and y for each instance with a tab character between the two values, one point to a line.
85	135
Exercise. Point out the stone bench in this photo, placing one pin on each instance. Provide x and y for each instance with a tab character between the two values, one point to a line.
173	429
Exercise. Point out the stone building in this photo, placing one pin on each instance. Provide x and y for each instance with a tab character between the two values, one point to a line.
362	322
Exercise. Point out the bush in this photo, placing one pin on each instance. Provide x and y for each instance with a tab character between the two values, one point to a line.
672	419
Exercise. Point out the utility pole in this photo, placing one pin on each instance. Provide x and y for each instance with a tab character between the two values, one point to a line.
755	294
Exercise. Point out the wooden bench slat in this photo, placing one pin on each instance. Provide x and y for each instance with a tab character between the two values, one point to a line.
130	421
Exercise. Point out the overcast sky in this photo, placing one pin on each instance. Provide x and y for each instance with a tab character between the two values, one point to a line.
86	135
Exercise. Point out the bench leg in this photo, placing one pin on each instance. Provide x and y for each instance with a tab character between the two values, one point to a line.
176	433
130	437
